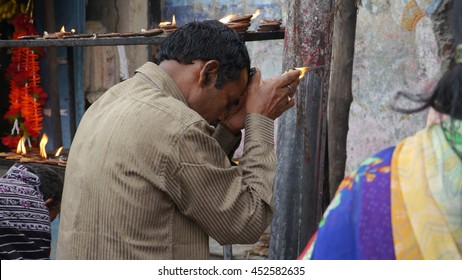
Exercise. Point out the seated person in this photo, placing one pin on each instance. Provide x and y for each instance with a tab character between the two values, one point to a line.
405	202
30	198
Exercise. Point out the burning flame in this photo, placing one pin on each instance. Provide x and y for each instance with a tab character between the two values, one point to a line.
43	143
58	152
63	30
166	23
227	18
21	149
256	14
303	69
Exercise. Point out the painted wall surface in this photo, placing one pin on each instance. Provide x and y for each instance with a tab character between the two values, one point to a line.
395	50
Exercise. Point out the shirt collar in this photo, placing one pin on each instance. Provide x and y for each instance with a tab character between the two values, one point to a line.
161	79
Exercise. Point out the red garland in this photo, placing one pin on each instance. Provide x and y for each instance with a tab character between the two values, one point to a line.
26	94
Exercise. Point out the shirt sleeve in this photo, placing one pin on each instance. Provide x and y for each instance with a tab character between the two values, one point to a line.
233	204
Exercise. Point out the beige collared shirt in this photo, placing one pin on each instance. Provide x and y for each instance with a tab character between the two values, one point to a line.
149	178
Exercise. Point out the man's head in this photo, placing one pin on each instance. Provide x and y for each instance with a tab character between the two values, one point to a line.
51	185
210	63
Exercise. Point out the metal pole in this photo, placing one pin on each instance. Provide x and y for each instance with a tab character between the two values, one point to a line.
53	90
71	79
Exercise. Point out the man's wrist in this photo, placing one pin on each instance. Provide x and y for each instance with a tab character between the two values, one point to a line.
233	130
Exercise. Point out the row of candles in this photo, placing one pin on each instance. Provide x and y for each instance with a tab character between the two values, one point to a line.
225	19
165	25
21	148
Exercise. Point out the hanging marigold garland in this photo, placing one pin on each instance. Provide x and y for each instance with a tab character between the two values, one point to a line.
26	96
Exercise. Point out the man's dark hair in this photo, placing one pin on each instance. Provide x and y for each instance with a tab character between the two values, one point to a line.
207	40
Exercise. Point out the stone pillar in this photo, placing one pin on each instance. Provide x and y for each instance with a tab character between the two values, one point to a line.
133	16
301	133
123	16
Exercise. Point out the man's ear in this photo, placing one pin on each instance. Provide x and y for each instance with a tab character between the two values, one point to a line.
209	73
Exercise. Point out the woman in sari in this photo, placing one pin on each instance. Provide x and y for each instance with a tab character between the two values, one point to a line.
405	202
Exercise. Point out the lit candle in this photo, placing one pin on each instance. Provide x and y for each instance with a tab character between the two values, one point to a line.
43	143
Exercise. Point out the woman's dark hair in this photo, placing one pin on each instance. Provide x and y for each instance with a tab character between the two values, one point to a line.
51	180
446	98
207	40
